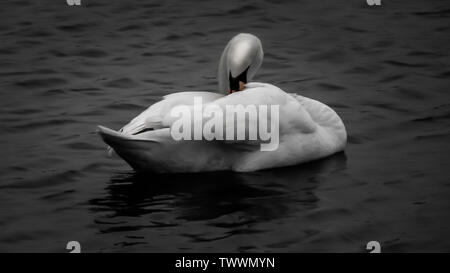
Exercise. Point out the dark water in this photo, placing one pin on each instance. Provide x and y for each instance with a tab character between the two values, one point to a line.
63	70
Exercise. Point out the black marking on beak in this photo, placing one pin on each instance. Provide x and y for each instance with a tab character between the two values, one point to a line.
234	82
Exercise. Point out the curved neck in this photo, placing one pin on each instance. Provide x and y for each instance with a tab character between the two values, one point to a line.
222	74
243	52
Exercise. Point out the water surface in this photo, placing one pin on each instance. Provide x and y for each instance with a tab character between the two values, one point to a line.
63	70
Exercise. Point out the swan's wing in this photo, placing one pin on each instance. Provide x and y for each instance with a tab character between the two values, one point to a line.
291	116
320	113
151	119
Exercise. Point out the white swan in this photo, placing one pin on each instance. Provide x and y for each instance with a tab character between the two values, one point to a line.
308	129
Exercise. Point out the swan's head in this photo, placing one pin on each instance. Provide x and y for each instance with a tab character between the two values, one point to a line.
240	60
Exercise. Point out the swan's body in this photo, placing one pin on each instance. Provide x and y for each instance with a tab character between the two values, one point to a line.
308	129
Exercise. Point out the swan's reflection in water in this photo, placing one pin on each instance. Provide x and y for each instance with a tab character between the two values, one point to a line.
206	207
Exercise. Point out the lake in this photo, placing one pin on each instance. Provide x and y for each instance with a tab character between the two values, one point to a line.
65	69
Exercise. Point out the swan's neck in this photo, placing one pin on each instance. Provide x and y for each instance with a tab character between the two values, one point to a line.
244	54
222	74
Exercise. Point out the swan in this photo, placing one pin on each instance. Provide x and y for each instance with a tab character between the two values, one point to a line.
308	129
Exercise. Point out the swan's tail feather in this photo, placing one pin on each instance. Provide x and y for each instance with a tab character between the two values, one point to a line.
105	133
109	134
133	149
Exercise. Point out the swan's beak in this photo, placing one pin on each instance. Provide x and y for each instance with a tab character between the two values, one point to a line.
241	87
237	83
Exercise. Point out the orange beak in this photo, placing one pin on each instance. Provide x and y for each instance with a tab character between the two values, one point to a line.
241	87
